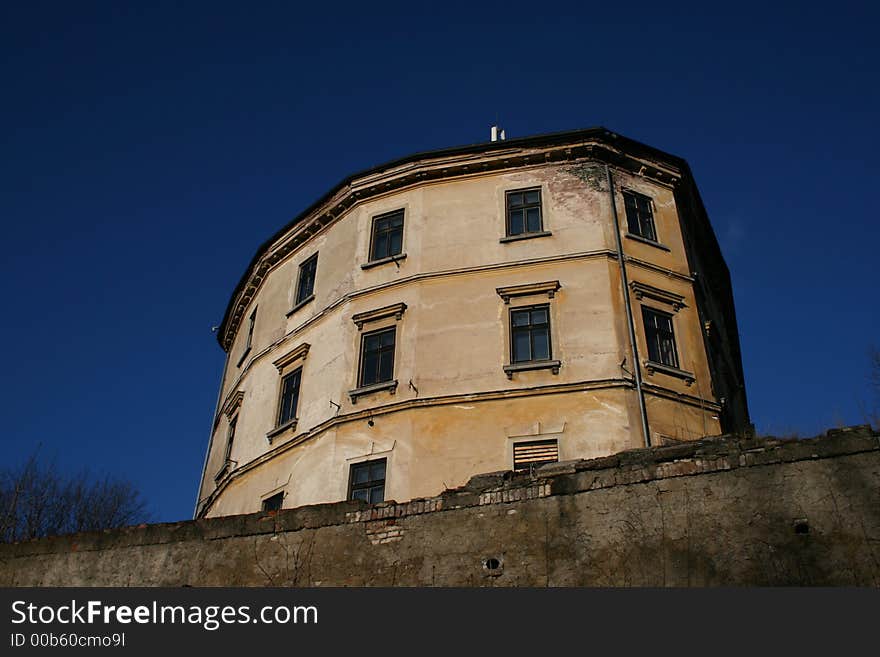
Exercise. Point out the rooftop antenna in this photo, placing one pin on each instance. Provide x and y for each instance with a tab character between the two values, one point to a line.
497	133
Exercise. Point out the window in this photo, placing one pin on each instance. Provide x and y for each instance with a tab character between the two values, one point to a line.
230	438
367	481
660	337
250	338
377	357
530	334
305	287
534	453
639	215
250	335
524	212
273	503
387	239
289	397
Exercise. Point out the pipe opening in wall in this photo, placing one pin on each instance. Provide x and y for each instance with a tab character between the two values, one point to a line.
492	563
801	527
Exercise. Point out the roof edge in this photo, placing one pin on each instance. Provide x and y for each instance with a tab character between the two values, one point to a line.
546	139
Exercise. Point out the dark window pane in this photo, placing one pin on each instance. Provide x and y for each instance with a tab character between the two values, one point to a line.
396	243
396	222
377	470
387	338
521	349
386	368
541	344
371	368
360	475
533	196
380	246
514	200
377	495
516	222
520	317
363	494
273	503
539	316
667	352
533	220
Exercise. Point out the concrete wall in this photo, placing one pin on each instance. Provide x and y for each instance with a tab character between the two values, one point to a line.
716	512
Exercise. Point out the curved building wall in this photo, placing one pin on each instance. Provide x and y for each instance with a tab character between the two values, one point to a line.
455	410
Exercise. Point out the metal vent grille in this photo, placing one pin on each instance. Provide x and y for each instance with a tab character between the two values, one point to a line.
536	452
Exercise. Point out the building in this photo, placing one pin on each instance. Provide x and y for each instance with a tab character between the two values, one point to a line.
488	307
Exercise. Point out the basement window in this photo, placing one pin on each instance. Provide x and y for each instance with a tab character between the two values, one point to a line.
366	481
273	503
534	453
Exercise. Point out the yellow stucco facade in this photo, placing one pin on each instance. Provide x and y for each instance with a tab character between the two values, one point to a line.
456	403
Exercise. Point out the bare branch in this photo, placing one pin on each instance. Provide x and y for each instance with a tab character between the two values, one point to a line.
36	500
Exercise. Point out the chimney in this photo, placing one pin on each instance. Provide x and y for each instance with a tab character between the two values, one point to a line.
497	133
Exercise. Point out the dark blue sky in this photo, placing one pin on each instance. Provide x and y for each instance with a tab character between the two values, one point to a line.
149	148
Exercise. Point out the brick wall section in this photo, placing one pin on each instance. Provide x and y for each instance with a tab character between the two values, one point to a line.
724	511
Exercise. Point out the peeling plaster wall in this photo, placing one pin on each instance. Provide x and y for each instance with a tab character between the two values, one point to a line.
716	512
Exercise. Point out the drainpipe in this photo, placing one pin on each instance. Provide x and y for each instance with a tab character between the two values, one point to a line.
211	437
621	261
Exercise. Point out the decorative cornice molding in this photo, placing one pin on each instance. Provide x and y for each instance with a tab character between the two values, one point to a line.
233	402
548	287
642	290
299	353
396	310
437	166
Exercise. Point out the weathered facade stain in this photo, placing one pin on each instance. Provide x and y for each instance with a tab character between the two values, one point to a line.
719	512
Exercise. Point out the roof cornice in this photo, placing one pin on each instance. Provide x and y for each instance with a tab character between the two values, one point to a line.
420	168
